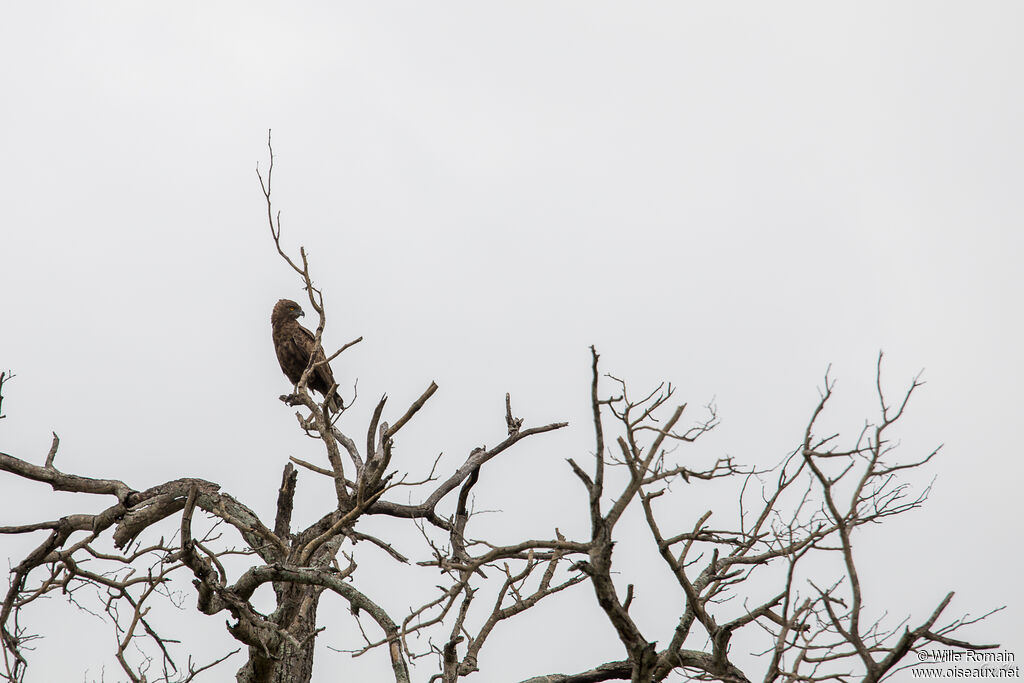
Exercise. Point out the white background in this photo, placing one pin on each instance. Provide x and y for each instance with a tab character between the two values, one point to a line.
727	196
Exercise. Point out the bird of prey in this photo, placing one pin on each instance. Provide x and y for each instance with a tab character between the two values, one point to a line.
294	345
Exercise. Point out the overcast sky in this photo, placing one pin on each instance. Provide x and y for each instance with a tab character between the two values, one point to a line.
729	196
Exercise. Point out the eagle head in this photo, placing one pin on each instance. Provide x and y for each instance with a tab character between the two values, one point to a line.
286	308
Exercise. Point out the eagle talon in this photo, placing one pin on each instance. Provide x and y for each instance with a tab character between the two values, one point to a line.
291	399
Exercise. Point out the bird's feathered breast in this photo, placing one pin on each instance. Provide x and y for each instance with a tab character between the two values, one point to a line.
293	344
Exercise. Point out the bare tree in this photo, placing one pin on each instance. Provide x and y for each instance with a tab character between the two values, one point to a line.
811	626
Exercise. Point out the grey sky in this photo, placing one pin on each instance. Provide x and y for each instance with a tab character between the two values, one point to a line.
727	196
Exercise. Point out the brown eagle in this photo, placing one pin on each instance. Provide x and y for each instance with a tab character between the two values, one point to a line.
294	344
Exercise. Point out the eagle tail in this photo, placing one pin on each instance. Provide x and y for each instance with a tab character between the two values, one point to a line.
333	402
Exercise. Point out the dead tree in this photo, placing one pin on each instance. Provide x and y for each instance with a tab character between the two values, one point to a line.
811	627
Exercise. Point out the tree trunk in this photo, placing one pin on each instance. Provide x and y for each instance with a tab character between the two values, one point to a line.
296	614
